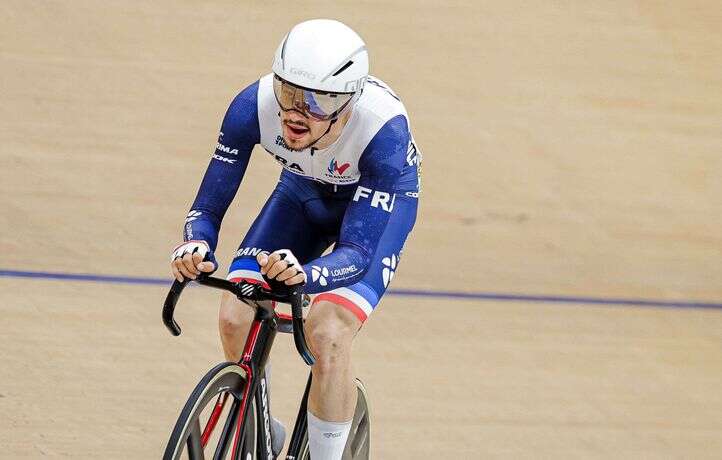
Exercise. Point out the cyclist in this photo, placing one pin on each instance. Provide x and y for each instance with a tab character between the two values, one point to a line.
350	178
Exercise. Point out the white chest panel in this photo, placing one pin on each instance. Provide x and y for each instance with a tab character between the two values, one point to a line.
337	164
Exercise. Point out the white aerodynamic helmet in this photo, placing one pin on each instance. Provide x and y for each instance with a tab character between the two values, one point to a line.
324	55
321	65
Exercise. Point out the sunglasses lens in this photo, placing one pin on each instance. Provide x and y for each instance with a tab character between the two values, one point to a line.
319	105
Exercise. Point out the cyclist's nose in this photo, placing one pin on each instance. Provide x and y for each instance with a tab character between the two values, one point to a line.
298	101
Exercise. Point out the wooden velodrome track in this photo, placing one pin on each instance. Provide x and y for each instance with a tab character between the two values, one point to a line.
572	149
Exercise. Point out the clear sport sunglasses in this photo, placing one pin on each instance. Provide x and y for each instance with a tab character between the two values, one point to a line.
319	105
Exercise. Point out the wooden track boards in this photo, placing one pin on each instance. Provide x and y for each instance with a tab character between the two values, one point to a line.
571	148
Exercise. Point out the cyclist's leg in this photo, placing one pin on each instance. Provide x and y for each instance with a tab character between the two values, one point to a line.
281	224
332	323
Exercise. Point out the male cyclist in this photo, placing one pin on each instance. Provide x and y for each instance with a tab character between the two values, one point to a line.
350	178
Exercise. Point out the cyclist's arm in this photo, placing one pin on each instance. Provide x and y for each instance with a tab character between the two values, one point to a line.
369	210
239	133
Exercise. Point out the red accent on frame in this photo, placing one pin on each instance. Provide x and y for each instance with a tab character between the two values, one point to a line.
251	341
285	316
242	409
344	302
213	419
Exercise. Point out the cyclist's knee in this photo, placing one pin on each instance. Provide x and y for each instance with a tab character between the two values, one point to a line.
330	329
233	315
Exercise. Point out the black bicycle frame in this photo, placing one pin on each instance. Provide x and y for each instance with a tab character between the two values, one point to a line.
254	357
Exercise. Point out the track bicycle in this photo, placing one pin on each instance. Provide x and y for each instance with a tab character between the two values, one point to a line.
228	412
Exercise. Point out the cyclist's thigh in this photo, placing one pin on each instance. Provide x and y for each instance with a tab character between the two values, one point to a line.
281	224
363	296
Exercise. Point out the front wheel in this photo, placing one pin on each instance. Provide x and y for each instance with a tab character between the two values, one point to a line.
209	420
358	443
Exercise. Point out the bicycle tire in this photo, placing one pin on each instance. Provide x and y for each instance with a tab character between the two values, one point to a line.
224	378
358	446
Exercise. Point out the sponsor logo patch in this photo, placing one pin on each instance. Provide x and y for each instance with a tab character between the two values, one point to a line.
389	269
193	215
222	148
289	165
412	156
223	159
281	142
248	252
319	274
335	168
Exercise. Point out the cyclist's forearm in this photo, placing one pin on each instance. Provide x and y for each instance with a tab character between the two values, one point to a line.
239	133
214	196
345	265
202	225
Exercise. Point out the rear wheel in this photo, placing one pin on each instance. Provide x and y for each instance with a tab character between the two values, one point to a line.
207	425
358	444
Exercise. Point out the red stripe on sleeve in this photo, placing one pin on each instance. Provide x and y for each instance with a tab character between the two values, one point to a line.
344	302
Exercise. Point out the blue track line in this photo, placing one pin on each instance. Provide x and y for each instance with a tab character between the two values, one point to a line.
395	292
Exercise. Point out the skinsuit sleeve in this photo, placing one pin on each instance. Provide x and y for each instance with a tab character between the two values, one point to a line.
370	208
239	133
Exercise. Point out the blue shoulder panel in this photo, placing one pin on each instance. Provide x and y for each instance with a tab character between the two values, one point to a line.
239	133
370	208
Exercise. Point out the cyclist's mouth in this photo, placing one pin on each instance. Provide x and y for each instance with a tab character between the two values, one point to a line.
296	131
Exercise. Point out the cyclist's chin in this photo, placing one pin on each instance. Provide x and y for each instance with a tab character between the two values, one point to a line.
295	141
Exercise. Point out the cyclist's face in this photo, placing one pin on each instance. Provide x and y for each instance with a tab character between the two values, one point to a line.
299	131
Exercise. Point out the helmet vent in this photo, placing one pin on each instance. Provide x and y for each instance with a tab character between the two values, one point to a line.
344	67
283	49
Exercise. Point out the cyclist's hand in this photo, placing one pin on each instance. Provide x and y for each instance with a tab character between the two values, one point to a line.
191	258
281	266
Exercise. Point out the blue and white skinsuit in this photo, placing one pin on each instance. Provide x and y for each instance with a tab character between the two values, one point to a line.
360	193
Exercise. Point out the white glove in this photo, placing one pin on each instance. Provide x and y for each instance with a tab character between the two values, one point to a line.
282	266
192	258
190	247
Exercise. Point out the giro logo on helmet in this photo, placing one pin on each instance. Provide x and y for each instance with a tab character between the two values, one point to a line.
354	85
303	73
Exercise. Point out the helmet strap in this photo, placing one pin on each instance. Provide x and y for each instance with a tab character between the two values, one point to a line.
350	106
326	132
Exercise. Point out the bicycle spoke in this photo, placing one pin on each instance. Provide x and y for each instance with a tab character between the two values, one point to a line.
360	438
228	429
213	419
195	449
